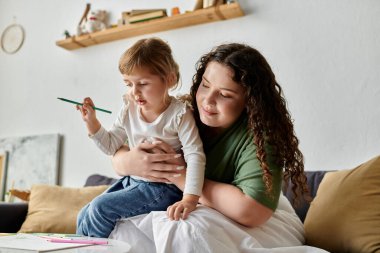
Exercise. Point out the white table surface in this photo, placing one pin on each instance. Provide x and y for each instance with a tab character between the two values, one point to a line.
113	246
31	243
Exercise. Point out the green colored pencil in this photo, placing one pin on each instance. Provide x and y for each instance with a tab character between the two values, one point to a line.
77	103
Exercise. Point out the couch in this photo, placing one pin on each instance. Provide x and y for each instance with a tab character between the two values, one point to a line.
344	215
15	213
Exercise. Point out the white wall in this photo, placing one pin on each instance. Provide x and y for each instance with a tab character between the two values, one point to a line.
325	54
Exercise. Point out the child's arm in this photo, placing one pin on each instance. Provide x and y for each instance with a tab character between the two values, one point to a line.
196	161
193	154
89	116
108	141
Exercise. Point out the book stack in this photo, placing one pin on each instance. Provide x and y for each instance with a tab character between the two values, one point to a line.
141	15
211	3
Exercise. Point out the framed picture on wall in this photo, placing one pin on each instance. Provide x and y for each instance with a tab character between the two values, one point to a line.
31	160
3	172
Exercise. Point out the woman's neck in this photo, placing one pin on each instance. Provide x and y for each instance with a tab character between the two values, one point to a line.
211	132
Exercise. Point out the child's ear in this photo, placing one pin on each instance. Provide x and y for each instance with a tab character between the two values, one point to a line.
172	79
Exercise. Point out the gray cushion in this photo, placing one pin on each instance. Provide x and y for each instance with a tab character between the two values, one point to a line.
314	178
96	179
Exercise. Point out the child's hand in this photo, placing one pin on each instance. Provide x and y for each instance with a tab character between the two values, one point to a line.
183	208
89	115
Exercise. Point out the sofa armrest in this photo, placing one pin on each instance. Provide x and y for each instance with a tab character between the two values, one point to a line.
12	216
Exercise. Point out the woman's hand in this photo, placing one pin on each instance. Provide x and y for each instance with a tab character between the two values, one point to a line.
140	161
180	177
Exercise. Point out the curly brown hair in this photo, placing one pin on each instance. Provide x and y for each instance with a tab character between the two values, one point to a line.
268	118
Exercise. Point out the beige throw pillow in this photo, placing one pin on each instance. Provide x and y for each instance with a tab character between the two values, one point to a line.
54	209
345	214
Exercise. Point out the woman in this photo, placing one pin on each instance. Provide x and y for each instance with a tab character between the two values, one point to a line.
248	138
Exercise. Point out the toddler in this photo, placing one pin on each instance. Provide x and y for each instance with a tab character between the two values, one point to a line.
149	114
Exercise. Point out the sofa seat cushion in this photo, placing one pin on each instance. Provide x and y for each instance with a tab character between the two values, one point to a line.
345	214
54	209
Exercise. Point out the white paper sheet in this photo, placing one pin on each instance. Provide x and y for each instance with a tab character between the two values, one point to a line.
34	243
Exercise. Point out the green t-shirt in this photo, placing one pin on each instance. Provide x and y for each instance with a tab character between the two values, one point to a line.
231	158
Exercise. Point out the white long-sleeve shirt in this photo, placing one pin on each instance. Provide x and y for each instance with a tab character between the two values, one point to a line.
175	126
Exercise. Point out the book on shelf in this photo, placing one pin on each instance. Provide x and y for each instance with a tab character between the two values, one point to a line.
135	12
211	3
208	3
135	16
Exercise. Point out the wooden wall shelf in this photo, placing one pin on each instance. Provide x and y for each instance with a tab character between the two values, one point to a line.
212	14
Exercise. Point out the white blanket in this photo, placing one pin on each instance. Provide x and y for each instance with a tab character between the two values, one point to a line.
206	230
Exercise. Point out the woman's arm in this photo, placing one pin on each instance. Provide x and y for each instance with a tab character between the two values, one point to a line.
225	198
230	201
233	203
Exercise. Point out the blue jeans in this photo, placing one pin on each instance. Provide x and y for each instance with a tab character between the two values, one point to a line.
125	198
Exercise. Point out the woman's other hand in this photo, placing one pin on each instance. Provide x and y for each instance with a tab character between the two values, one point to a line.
180	177
140	161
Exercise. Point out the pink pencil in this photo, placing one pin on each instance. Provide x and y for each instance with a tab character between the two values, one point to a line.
82	241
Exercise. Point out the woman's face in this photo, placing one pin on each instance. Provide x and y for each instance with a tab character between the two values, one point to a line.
220	100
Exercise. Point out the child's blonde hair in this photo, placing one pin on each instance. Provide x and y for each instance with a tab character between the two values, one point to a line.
152	53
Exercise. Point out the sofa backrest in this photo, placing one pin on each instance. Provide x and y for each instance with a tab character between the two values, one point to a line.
314	178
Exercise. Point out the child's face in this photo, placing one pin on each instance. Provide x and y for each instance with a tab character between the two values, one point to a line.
220	100
149	91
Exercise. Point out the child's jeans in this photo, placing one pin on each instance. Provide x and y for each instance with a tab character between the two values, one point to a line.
125	198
